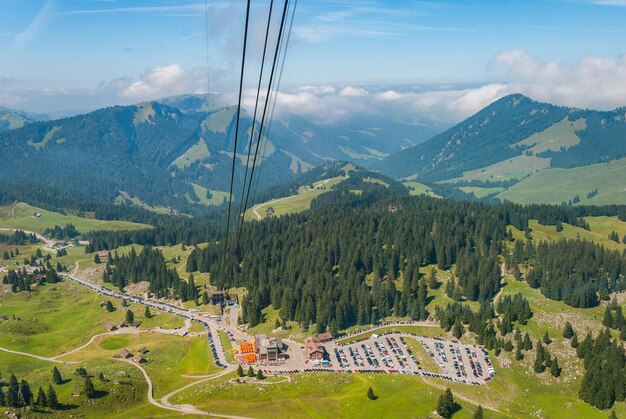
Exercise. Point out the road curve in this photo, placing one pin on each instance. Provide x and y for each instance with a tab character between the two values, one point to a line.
43	358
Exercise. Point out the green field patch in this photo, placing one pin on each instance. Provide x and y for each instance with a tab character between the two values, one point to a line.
513	168
115	342
556	185
24	216
219	121
198	151
217	197
600	228
295	203
479	192
416	188
561	135
322	395
49	135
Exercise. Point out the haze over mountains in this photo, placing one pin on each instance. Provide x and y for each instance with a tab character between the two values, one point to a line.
176	152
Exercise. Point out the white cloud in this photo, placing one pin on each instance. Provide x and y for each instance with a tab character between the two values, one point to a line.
36	24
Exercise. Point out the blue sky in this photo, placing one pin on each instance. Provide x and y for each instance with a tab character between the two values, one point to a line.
73	54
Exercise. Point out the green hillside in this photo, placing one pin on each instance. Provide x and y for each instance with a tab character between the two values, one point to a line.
22	215
557	185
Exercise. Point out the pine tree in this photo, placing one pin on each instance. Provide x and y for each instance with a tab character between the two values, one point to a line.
546	338
539	366
3	401
608	317
574	341
251	372
458	329
568	331
528	344
555	370
205	298
51	395
478	414
240	372
446	404
130	316
56	376
96	259
370	394
259	375
109	306
101	376
518	353
89	389
147	313
42	400
25	394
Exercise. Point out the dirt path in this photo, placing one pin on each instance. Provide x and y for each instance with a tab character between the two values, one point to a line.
183	409
42	358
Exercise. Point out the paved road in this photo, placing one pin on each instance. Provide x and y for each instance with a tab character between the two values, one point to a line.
212	325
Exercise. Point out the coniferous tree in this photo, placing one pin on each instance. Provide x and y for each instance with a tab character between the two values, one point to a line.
96	259
240	372
147	313
89	388
555	370
518	353
546	338
478	413
446	405
607	320
574	341
259	374
130	316
370	394
539	365
568	330
527	344
3	401
56	376
109	306
251	372
51	395
25	393
42	400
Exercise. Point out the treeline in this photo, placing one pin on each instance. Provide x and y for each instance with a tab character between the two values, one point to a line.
579	273
149	265
59	233
18	238
21	280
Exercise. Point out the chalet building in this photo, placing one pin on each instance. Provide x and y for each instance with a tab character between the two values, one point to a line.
143	351
4	318
104	304
314	351
103	255
135	323
325	337
222	298
269	349
139	359
125	353
110	327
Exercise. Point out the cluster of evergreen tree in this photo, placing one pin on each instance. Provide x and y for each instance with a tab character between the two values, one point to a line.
60	233
18	238
10	254
604	381
544	361
313	266
149	265
614	319
577	272
19	394
20	280
514	308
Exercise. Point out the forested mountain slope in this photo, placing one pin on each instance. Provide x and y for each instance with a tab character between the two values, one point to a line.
512	139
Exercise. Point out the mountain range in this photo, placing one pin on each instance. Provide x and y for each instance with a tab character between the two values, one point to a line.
177	151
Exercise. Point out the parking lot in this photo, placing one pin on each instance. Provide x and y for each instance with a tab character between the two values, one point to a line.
458	362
